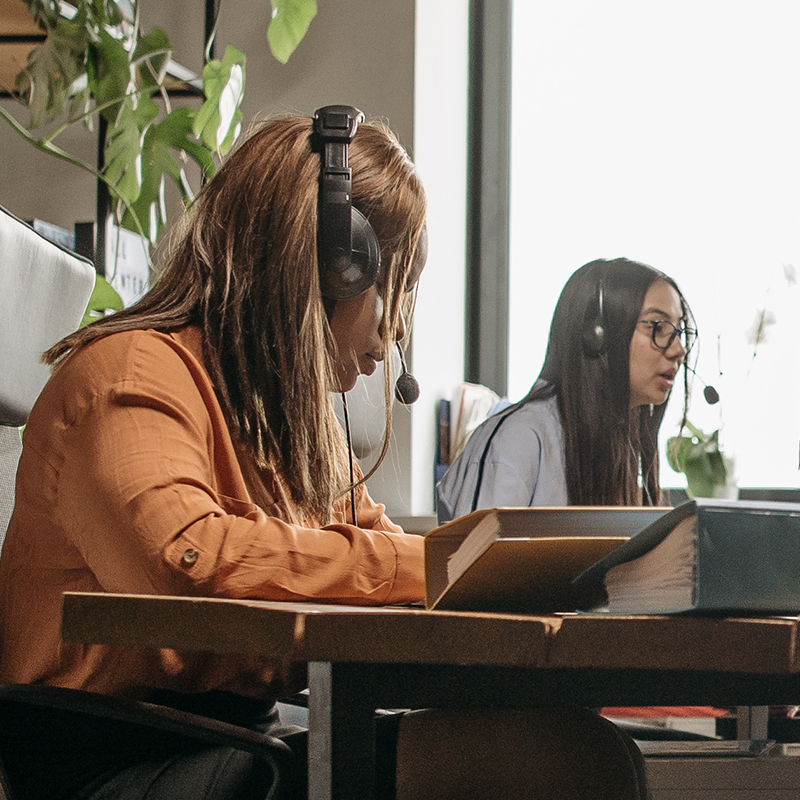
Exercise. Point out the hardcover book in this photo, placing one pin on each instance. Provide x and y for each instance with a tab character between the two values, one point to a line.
707	556
524	560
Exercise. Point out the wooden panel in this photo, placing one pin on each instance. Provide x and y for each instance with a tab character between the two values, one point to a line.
430	637
13	58
305	631
749	645
181	623
19	34
15	20
316	632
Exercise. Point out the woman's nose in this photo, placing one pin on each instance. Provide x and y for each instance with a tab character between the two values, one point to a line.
676	350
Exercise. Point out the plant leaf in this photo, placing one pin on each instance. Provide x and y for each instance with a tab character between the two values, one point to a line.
217	120
161	142
674	453
288	26
124	144
111	75
152	55
52	68
698	480
699	457
45	12
104	297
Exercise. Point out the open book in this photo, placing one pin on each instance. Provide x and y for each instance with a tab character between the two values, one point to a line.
524	559
707	556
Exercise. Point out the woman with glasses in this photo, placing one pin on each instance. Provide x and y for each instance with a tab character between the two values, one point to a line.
587	432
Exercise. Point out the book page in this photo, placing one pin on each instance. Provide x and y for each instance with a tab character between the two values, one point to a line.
470	407
476	543
662	579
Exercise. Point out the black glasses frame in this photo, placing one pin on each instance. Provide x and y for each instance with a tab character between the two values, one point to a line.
688	334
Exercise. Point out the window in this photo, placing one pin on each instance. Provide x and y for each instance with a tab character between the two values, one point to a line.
668	133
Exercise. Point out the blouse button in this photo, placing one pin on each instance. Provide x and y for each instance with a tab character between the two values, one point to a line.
190	556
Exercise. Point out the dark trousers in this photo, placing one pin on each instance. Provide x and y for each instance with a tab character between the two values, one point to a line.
62	755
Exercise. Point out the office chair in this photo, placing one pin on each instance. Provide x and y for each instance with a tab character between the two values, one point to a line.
45	291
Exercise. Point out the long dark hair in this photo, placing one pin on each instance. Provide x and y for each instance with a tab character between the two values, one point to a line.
244	269
608	445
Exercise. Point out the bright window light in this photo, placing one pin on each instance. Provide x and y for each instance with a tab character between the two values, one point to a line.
669	133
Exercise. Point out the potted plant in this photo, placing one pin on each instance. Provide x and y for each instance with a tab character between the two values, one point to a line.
98	68
699	456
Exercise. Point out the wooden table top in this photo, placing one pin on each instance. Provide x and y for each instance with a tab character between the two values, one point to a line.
320	632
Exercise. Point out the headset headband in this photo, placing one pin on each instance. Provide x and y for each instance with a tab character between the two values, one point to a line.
349	255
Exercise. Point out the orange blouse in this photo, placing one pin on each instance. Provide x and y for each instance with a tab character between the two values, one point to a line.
129	482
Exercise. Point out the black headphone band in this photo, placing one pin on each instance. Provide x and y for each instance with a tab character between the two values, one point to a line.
482	463
594	338
349	254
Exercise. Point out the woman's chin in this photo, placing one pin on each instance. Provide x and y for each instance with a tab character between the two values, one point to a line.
346	383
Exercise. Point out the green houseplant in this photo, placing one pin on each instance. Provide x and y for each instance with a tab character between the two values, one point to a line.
98	68
698	455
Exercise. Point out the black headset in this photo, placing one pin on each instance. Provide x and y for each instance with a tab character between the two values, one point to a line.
485	454
349	254
594	337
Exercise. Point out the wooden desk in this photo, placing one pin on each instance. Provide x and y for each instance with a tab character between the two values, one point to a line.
365	658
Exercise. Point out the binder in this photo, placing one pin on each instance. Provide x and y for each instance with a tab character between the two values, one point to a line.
707	556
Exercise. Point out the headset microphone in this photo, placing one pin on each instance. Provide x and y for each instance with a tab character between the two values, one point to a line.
709	392
406	389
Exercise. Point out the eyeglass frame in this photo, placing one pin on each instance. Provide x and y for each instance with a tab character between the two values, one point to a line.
676	331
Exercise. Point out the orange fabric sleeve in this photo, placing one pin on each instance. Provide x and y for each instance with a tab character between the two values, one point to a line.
153	497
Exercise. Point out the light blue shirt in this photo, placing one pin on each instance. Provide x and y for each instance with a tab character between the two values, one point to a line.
524	464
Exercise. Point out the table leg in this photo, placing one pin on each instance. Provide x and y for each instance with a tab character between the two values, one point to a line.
341	736
752	722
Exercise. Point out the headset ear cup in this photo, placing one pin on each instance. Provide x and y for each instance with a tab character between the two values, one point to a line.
350	277
594	336
594	340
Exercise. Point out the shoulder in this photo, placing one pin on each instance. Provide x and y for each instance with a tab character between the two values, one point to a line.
525	422
543	415
129	355
140	361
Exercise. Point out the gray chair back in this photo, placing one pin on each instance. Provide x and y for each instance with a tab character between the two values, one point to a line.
44	289
10	451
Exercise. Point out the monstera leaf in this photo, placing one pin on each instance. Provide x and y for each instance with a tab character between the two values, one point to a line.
217	121
103	300
162	144
47	84
97	62
290	21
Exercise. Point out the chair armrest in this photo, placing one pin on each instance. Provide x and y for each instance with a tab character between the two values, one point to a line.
137	712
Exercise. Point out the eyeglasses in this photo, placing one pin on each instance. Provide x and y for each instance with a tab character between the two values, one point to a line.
663	333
